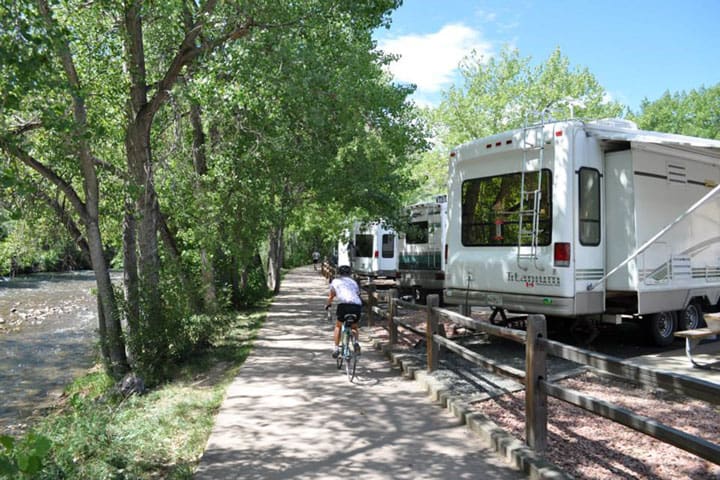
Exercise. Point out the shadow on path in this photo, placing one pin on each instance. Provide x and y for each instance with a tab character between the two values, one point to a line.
291	414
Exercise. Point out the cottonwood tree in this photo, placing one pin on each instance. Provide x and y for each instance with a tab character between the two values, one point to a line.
88	87
505	92
308	116
45	127
695	113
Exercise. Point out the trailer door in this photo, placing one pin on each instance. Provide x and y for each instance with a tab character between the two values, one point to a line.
388	254
589	257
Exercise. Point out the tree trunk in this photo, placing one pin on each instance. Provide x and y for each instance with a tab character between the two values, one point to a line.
148	257
238	280
108	315
275	258
130	273
200	165
168	239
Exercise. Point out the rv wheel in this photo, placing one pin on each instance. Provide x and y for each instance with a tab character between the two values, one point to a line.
420	296
661	327
584	331
690	318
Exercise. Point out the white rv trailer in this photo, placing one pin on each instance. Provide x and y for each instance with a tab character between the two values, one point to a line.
587	220
421	265
373	250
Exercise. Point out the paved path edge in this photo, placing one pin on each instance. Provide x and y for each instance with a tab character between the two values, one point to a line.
495	437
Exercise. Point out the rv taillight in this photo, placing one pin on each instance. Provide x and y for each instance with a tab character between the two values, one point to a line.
377	254
562	254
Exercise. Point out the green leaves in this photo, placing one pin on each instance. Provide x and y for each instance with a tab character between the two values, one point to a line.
504	92
23	458
696	113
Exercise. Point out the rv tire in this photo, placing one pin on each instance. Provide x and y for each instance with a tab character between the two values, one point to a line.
661	326
420	296
691	317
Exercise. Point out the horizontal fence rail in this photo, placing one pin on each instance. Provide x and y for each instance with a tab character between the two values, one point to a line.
698	446
535	378
482	360
680	384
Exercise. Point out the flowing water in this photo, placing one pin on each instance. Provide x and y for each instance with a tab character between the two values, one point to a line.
48	325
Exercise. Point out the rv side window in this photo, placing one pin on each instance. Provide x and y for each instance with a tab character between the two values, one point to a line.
491	209
364	245
589	203
417	232
388	246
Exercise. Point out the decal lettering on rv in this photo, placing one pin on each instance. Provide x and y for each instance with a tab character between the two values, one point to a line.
531	281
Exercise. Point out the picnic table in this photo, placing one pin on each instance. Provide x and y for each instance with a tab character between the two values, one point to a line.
693	338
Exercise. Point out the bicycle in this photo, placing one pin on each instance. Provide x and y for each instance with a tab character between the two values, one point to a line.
347	355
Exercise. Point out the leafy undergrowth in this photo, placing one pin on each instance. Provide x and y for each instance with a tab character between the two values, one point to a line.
95	433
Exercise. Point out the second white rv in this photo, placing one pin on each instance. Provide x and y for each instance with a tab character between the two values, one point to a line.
587	220
421	268
373	250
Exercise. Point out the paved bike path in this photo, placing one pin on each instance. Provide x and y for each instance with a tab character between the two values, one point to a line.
290	414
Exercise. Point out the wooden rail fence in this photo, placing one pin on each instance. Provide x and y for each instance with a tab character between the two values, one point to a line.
535	376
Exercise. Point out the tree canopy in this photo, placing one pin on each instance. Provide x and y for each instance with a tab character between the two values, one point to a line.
182	139
695	113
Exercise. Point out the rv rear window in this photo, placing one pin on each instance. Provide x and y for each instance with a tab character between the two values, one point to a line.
417	232
493	209
364	245
589	203
388	246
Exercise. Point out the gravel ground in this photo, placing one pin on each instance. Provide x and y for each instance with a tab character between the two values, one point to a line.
582	444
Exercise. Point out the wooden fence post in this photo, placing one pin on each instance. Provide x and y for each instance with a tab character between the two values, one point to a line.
432	329
372	302
535	396
392	311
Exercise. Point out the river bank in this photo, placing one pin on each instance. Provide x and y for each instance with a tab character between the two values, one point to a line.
93	431
47	337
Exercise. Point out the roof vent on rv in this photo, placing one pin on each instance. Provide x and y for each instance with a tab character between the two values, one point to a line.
615	123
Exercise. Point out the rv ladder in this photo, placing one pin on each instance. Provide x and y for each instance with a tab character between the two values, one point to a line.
530	199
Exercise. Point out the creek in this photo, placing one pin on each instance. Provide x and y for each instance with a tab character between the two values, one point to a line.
48	336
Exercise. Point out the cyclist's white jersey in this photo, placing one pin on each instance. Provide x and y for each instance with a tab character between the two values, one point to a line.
346	290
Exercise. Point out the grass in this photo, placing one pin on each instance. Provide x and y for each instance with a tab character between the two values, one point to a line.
95	433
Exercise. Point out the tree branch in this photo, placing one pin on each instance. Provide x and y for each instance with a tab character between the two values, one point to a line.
189	51
25	127
66	219
48	173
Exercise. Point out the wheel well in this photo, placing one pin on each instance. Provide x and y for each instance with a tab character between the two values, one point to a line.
704	303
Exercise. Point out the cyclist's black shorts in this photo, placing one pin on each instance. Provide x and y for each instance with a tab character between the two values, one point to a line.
348	308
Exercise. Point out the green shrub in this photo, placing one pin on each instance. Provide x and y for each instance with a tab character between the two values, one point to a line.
23	458
98	434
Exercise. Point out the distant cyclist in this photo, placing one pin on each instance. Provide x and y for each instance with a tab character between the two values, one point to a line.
347	292
315	258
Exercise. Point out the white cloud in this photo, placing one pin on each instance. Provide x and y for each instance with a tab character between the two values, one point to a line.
430	61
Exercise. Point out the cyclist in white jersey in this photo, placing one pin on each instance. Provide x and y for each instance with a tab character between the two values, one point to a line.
347	292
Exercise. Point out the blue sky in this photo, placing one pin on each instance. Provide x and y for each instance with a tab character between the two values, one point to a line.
635	48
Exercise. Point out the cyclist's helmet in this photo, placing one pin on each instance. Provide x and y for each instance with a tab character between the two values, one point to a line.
344	270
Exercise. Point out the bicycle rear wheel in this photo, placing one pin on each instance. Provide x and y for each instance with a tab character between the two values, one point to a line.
350	364
339	360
